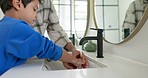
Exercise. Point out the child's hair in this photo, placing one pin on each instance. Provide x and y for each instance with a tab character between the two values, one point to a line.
7	4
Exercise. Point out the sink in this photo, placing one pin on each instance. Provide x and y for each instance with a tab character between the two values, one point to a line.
58	65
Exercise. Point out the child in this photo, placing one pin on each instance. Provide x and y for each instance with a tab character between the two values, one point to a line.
18	40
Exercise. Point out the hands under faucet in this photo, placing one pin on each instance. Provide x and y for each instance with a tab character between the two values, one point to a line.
79	62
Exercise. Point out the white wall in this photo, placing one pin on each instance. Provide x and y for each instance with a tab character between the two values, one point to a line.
136	48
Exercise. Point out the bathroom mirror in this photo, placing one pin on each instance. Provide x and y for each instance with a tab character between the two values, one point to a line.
110	16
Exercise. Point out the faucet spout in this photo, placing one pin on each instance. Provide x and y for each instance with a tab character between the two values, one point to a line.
87	38
99	39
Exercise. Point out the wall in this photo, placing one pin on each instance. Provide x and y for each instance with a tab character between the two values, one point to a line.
136	48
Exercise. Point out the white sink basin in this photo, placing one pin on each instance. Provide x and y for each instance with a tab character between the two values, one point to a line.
58	65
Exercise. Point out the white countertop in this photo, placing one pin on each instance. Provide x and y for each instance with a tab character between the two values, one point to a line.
125	68
117	68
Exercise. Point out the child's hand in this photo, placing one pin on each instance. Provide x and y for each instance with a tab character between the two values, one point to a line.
71	61
69	65
77	62
85	60
74	64
76	53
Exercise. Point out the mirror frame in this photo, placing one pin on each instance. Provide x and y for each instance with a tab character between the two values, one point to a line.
133	33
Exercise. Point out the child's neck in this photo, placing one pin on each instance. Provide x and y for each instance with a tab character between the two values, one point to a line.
11	13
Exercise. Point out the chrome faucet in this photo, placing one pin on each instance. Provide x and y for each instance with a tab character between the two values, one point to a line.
99	39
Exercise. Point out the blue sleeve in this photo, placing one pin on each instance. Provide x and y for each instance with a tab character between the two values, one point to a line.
23	42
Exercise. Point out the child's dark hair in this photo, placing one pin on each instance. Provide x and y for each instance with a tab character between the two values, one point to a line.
7	4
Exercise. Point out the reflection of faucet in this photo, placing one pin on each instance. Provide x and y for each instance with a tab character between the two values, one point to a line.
99	42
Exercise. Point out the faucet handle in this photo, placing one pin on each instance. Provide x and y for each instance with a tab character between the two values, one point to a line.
98	30
93	29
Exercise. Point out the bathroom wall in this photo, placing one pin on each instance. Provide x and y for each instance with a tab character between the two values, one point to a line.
136	48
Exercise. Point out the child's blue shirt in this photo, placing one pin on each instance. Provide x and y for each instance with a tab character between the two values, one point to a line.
19	41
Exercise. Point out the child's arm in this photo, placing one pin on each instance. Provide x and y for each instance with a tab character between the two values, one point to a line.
23	42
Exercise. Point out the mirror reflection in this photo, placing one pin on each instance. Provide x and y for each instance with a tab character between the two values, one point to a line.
118	18
133	15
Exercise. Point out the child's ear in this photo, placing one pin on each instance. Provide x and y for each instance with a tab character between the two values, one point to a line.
17	4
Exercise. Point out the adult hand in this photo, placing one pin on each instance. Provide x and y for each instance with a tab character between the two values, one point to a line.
72	66
68	58
76	53
76	63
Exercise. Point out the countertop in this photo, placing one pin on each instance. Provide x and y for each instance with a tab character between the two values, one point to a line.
117	67
126	68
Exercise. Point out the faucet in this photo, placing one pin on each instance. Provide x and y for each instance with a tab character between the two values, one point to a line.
99	39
